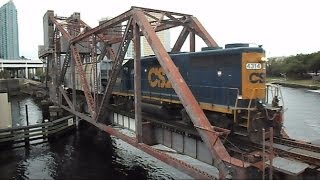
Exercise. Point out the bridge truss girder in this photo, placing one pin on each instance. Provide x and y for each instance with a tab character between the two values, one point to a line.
121	30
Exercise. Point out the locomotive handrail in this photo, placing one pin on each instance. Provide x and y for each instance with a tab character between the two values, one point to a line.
250	102
235	107
277	89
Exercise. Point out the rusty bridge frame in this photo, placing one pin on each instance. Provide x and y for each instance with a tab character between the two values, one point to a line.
120	31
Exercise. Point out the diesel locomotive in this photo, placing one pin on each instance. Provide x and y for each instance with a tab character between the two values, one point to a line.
229	85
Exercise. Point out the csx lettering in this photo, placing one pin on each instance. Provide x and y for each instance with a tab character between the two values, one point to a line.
157	78
257	77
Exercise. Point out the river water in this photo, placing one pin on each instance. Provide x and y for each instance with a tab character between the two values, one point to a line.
302	115
92	154
85	154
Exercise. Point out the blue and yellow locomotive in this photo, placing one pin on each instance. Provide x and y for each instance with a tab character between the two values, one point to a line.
229	84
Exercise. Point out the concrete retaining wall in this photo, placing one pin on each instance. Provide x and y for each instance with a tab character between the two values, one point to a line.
5	111
9	85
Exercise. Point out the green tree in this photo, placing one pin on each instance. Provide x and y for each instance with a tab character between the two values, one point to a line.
314	63
274	67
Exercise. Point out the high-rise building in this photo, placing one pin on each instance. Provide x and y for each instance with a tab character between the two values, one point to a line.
9	40
146	50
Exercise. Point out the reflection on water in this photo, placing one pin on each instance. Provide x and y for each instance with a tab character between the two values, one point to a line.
18	104
85	154
92	154
302	117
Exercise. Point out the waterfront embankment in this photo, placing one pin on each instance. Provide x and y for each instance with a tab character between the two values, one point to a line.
304	83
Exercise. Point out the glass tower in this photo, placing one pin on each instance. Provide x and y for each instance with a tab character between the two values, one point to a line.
9	41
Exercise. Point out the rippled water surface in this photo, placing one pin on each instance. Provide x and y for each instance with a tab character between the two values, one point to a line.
84	154
302	117
92	154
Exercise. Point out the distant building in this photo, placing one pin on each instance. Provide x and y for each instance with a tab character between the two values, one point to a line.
9	40
146	50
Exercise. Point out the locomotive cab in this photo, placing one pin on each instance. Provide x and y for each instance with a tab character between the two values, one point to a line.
263	108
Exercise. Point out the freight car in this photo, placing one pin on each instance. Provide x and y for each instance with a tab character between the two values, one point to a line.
229	84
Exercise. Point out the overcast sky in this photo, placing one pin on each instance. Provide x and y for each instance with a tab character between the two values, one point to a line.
282	27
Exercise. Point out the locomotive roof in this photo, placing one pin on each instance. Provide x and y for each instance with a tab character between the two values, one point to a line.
237	50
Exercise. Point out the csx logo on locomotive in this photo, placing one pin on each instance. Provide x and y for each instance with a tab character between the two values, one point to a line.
158	78
257	77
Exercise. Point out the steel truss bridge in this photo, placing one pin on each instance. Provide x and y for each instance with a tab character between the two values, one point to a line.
69	35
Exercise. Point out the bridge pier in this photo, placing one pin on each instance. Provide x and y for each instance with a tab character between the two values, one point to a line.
27	73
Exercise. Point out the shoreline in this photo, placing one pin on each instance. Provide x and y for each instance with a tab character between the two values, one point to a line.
296	85
293	85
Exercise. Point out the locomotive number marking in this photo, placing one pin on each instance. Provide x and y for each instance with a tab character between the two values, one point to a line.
257	77
253	66
157	78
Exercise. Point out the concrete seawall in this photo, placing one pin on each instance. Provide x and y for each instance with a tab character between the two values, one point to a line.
26	86
5	111
12	86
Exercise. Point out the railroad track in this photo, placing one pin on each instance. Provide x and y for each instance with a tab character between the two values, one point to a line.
297	144
302	151
284	147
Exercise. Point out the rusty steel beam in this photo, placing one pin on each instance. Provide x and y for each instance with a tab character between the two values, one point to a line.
83	80
78	114
65	66
127	37
73	80
159	11
181	39
192	42
79	66
151	16
124	17
137	81
112	55
166	26
110	39
210	138
65	33
182	19
94	71
161	27
66	97
119	19
202	32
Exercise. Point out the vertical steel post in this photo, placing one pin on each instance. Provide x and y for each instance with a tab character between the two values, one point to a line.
94	87
47	68
74	95
27	116
26	130
271	154
137	81
263	153
192	42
